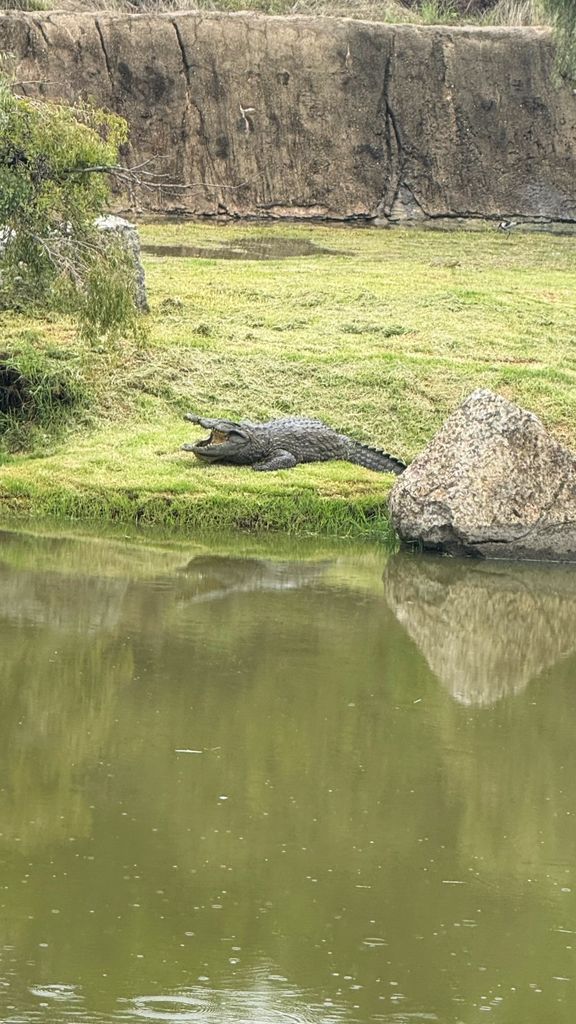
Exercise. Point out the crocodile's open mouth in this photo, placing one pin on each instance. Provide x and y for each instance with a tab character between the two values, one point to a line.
216	437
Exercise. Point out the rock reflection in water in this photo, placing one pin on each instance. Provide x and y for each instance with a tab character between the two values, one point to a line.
485	629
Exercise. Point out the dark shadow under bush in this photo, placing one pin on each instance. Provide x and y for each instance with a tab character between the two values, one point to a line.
37	390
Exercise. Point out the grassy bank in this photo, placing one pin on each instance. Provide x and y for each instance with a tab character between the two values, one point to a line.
418	12
381	336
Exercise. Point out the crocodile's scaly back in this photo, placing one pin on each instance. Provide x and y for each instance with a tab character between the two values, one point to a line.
314	441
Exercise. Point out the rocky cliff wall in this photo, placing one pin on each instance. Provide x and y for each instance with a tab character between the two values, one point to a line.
264	116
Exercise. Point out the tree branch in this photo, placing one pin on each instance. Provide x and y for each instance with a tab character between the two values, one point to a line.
145	179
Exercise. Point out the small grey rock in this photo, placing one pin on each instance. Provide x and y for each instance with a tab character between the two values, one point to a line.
6	235
128	236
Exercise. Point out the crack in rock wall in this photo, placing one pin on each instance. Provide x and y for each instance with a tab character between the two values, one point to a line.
318	118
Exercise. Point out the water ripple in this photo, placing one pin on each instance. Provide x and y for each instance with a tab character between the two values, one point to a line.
62	993
208	1006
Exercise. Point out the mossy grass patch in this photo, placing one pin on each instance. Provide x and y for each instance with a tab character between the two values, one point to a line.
381	335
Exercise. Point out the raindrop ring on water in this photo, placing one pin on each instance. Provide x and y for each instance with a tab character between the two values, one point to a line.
172	1008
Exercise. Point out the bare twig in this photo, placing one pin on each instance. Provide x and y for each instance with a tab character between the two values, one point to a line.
145	179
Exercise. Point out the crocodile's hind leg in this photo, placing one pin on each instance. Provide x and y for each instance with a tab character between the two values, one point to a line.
279	459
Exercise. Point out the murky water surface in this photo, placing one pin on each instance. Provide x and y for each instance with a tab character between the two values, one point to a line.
273	786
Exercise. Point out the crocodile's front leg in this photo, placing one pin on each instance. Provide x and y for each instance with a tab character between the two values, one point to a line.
280	459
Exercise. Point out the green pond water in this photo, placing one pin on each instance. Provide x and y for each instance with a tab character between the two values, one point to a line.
258	783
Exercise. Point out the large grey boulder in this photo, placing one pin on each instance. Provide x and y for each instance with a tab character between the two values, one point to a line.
491	483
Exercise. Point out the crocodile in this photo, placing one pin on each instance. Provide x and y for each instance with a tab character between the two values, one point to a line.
282	444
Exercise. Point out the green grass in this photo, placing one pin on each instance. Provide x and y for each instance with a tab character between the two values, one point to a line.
426	12
382	340
40	391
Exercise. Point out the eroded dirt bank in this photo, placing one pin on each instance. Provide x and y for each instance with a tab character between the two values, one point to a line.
306	117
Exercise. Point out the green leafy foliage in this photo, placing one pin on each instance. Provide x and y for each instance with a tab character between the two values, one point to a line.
54	170
563	15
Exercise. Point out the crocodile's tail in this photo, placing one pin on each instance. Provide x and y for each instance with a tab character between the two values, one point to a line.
374	459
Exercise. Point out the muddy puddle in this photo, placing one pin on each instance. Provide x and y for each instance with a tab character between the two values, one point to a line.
244	249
